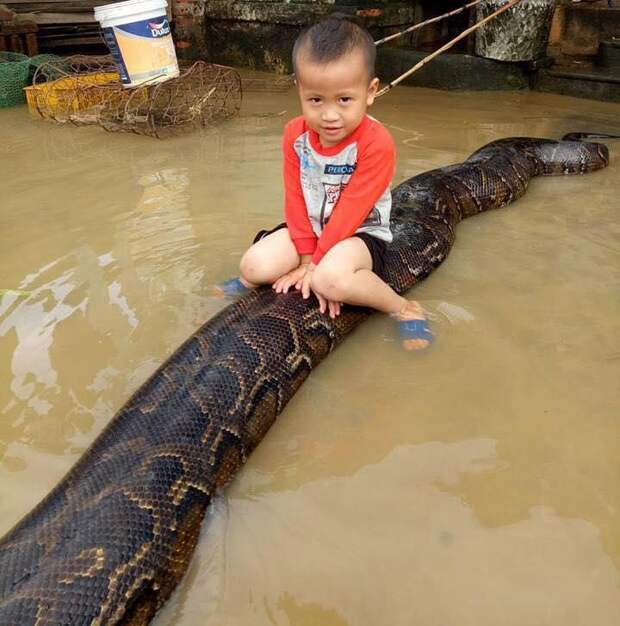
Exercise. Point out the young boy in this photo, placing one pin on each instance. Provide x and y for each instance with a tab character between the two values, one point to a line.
338	165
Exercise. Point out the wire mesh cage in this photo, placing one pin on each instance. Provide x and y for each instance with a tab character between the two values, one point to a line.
275	84
87	90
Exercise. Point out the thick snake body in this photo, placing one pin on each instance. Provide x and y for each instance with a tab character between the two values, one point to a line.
112	540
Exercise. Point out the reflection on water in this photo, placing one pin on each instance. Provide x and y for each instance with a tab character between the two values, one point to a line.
154	246
396	543
476	483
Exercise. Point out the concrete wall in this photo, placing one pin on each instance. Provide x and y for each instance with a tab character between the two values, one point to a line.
579	29
188	18
260	33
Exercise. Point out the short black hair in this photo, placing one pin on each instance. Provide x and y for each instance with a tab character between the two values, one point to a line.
333	37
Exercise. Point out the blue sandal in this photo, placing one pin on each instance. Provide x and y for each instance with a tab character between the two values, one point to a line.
414	329
232	288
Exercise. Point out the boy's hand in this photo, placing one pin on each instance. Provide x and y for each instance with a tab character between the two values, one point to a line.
328	305
294	278
324	303
307	279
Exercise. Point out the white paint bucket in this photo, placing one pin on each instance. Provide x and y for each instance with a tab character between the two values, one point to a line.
137	33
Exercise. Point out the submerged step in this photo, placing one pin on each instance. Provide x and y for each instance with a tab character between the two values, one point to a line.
451	71
609	55
592	74
591	83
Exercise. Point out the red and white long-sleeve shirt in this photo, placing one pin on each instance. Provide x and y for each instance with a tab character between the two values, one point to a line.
333	193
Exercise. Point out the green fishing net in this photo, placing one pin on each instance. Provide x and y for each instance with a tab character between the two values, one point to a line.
16	72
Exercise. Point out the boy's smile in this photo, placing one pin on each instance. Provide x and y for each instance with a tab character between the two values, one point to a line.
334	96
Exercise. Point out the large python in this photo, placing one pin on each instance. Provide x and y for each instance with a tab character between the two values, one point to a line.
112	540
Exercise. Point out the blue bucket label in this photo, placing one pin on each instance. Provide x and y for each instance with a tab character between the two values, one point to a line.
152	28
143	50
110	41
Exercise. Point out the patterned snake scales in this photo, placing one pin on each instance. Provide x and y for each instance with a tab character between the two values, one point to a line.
112	540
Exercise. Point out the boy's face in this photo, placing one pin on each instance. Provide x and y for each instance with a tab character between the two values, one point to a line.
334	96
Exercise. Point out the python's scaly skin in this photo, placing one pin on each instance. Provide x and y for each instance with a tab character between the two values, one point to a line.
112	540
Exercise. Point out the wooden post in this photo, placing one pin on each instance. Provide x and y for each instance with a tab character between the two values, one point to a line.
32	47
471	40
15	44
418	16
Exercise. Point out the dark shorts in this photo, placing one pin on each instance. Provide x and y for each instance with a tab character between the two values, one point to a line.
375	246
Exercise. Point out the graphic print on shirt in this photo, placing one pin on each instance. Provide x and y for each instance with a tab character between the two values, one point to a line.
340	170
324	177
373	219
332	193
304	161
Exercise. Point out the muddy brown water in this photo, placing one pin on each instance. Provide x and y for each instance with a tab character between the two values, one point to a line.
477	483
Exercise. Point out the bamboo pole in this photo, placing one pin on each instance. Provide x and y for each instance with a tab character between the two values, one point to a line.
425	22
445	47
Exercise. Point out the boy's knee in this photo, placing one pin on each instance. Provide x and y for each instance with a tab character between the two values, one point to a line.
252	267
330	283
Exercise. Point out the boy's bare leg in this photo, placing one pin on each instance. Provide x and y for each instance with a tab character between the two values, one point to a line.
268	259
344	275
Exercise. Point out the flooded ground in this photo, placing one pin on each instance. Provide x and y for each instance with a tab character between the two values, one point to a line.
475	484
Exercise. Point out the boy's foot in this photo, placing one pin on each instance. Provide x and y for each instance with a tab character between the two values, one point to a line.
413	326
232	288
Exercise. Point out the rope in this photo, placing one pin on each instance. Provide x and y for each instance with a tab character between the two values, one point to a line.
445	47
425	22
